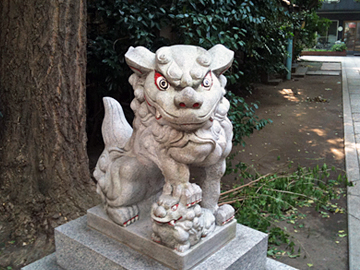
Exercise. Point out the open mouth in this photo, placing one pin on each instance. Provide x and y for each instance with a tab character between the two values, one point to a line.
171	222
191	124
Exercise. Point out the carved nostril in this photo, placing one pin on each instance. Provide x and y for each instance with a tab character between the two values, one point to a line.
160	212
188	98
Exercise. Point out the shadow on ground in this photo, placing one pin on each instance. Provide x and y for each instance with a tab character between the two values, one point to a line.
307	130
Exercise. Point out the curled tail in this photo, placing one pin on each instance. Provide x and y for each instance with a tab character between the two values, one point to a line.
116	132
115	129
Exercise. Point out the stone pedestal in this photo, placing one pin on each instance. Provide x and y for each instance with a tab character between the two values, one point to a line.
138	237
95	242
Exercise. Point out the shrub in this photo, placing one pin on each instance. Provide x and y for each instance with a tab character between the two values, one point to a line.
338	47
256	30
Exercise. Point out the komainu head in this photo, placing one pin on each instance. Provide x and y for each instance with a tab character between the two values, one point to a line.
182	85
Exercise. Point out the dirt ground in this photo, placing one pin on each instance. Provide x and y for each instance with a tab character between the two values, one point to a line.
307	129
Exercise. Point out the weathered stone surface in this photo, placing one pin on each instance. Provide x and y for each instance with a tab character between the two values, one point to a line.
49	262
79	247
138	236
179	144
46	263
275	265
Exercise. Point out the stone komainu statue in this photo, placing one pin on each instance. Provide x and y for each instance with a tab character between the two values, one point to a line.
180	138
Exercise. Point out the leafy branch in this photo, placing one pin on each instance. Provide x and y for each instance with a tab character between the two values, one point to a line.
261	200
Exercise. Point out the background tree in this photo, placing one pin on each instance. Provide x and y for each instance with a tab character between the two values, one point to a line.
44	175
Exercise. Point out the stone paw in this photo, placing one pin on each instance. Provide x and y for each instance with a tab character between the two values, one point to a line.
124	216
191	195
224	214
208	222
155	238
182	248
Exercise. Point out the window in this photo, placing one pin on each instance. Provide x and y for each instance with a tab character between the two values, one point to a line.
352	35
327	37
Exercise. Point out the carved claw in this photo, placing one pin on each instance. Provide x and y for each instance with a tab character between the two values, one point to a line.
155	238
124	216
208	222
224	214
191	195
167	189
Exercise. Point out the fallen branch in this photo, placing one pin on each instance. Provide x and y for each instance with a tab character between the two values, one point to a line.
248	184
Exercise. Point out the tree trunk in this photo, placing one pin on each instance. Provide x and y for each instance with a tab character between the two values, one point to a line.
43	160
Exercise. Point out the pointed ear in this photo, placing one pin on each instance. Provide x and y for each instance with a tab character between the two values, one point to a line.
222	59
140	60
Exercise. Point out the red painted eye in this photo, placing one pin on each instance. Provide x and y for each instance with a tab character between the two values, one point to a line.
207	81
160	81
174	207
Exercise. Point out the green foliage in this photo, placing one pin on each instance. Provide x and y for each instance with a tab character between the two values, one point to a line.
316	50
243	117
339	47
261	201
115	26
305	26
253	29
256	30
250	28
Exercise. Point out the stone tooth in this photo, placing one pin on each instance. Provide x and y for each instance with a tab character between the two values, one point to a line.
157	114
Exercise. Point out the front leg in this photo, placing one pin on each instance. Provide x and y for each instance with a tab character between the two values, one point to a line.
176	176
209	180
175	173
177	181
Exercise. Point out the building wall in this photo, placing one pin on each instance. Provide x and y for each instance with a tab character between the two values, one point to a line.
343	12
342	5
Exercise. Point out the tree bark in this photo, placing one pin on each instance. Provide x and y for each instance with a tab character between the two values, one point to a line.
43	160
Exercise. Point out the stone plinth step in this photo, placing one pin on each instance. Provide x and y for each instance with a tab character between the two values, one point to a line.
138	237
274	81
323	73
331	66
80	247
300	71
294	66
77	243
49	263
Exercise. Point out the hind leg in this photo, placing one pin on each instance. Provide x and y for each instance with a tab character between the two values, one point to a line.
126	183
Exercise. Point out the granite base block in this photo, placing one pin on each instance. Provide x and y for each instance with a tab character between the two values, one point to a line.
49	263
275	265
79	247
46	263
138	237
